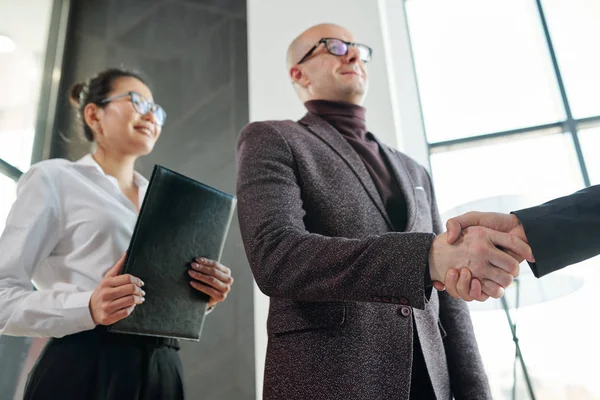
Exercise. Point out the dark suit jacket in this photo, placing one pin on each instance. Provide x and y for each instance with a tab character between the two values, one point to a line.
563	231
343	285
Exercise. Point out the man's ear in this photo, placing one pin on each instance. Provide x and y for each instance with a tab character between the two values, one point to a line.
298	76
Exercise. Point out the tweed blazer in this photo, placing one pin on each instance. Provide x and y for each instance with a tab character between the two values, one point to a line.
346	291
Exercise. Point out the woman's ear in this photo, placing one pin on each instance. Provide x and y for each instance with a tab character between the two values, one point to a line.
91	113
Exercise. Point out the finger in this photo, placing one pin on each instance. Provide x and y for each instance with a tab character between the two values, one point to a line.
214	264
492	289
511	242
497	275
209	281
218	273
122	280
116	269
504	262
512	254
439	286
453	229
450	282
214	294
455	225
118	315
476	292
463	286
123	302
114	293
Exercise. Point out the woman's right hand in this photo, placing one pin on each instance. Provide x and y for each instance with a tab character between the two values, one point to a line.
116	296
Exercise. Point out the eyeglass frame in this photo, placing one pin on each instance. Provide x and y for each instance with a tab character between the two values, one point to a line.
152	107
348	44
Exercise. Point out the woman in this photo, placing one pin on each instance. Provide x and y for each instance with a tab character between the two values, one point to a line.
70	224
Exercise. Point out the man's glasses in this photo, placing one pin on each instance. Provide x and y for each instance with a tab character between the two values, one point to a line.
338	47
142	106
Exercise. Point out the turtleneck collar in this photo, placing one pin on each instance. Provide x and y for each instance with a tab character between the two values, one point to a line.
347	118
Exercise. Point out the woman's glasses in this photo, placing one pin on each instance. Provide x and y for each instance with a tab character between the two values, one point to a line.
142	106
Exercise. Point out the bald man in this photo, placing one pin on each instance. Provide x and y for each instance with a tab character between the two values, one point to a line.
339	230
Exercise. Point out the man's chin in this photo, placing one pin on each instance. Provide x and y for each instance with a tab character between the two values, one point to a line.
355	94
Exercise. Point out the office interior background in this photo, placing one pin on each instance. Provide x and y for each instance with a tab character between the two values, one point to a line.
499	99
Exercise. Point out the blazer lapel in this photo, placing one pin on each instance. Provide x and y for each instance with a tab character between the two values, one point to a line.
339	145
404	180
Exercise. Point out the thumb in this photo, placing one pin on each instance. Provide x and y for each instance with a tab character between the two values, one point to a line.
116	269
439	286
453	229
455	225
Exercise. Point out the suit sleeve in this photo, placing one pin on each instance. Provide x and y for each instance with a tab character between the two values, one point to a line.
468	379
563	231
289	262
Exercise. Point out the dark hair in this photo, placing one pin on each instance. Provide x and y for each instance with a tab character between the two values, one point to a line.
95	91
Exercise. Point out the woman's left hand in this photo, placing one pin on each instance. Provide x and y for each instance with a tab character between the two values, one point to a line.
211	277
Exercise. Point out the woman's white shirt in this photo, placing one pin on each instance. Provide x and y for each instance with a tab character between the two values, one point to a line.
69	224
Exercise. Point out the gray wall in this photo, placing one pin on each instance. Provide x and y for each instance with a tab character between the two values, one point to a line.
195	54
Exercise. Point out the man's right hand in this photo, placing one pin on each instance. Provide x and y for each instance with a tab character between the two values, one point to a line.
508	223
116	296
464	285
478	250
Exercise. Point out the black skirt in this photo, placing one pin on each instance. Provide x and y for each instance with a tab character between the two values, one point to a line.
100	365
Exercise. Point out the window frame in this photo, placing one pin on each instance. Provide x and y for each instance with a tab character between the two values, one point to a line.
570	125
51	75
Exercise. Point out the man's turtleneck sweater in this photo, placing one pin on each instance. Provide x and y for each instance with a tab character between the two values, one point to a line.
349	120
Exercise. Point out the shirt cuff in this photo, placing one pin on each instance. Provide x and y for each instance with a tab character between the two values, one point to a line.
77	311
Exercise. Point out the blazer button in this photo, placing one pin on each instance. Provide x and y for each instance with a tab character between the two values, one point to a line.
395	300
404	301
376	298
385	299
405	311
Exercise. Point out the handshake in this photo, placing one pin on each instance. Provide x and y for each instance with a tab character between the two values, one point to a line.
487	248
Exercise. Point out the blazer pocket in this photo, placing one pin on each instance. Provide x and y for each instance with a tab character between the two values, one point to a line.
423	209
306	317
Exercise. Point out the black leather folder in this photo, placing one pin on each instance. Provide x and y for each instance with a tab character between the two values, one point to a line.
180	219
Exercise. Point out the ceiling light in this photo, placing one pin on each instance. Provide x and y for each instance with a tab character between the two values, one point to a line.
7	45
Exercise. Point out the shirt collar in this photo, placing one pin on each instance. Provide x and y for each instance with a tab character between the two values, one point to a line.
88	161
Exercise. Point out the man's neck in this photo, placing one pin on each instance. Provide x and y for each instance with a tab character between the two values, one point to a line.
347	118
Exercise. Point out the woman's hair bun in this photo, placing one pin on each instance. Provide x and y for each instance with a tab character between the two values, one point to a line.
76	92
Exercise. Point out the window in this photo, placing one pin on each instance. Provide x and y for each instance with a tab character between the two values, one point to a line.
22	55
574	29
514	166
482	67
511	106
590	143
8	194
29	37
